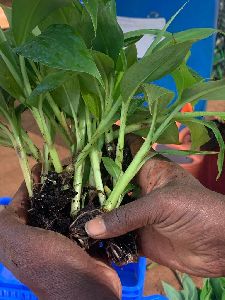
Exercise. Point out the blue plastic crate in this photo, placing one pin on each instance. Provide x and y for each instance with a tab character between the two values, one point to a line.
132	277
201	13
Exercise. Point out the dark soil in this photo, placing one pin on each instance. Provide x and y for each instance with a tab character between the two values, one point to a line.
50	209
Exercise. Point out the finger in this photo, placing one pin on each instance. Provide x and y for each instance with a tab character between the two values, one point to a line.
125	219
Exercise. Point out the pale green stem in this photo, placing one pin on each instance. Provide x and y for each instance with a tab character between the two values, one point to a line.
95	162
25	76
47	136
120	144
24	166
59	115
105	123
80	128
199	114
133	168
32	147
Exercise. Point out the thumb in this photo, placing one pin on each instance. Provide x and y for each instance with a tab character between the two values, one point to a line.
125	219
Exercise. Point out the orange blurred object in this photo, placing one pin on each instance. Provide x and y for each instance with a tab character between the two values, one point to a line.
3	20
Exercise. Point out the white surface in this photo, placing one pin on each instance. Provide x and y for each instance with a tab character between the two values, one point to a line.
131	24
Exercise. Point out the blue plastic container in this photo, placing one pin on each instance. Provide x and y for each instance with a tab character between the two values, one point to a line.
132	277
197	13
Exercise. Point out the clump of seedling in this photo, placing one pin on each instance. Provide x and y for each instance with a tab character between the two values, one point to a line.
77	73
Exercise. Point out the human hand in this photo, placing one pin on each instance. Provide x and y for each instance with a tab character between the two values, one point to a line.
180	223
50	264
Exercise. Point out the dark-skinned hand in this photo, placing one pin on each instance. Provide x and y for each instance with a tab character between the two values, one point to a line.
180	223
50	264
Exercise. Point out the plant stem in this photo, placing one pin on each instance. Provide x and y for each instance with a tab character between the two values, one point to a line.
133	168
26	81
199	114
60	117
120	144
80	128
105	123
95	162
47	136
24	165
32	147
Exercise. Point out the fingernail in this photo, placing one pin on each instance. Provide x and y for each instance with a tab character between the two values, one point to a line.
95	227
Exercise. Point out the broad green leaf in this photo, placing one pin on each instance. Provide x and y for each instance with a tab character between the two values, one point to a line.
59	47
211	90
27	14
67	96
104	64
190	291
92	8
3	104
171	292
219	138
184	78
7	81
71	102
109	36
170	135
49	83
194	35
206	292
92	102
8	55
199	133
155	93
153	67
75	16
8	12
111	167
131	55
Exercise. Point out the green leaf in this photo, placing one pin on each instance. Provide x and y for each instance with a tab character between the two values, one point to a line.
160	35
134	36
111	167
131	55
194	35
7	81
59	47
104	64
8	12
206	292
219	138
184	78
92	8
92	102
27	14
67	96
171	292
211	90
153	67
3	104
155	93
190	290
170	135
109	36
49	83
217	287
199	133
